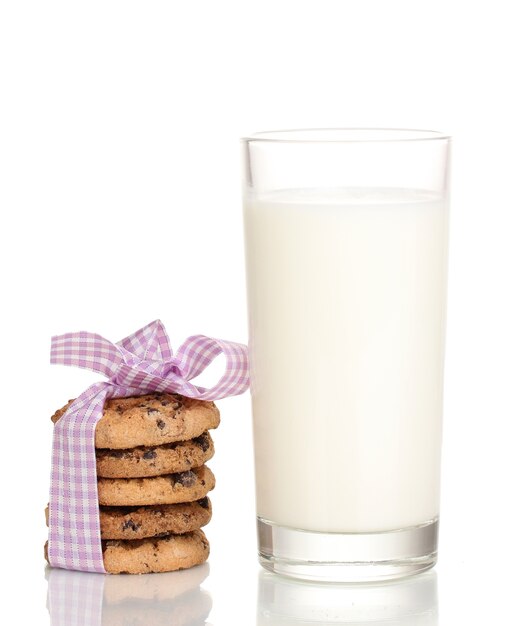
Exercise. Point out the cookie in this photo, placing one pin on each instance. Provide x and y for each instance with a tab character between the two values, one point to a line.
154	461
164	554
151	420
168	489
118	522
152	521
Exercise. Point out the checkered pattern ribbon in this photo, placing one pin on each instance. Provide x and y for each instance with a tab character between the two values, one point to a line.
139	364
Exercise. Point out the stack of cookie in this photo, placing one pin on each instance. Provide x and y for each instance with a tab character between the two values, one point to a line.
152	481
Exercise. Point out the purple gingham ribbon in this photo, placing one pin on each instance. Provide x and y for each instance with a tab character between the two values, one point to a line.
139	364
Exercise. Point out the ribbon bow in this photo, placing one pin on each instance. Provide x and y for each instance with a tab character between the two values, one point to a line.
139	364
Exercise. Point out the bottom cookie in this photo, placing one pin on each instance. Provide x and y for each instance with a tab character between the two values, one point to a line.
162	554
157	554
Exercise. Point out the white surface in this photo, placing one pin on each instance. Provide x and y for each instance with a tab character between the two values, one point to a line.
126	115
346	357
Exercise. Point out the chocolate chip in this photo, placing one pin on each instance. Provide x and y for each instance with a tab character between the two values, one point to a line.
204	503
149	454
203	442
151	410
130	524
187	479
164	403
160	423
119	409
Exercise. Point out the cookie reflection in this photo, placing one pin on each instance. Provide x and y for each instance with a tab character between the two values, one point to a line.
174	598
285	602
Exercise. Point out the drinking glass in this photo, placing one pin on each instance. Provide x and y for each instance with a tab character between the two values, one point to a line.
346	236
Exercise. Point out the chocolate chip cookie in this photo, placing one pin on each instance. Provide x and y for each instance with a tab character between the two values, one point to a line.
154	461
163	554
158	554
151	420
117	522
168	489
152	521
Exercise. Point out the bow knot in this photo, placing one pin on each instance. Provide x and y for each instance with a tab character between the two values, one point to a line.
144	361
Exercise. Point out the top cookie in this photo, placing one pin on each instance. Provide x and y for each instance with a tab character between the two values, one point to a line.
151	420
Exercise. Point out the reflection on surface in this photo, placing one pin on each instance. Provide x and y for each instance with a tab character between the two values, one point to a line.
409	602
174	598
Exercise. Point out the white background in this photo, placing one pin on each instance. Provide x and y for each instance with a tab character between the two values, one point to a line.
120	187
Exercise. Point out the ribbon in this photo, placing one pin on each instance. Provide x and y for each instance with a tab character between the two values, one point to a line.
139	364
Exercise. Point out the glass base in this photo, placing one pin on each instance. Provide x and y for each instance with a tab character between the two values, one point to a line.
347	557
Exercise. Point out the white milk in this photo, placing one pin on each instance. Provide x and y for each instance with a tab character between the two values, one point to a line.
347	313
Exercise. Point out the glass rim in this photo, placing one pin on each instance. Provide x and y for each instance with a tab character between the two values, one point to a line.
346	135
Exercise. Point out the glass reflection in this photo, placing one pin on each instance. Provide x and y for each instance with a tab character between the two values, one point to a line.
409	602
174	598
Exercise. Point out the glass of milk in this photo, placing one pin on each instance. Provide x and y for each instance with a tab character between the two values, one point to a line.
346	236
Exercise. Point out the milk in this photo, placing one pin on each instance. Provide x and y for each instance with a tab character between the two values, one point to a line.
346	293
